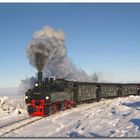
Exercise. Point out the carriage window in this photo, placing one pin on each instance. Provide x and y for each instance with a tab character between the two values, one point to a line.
92	89
79	89
87	89
104	88
126	88
110	89
82	89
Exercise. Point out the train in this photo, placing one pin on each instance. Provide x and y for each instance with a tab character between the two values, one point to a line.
51	95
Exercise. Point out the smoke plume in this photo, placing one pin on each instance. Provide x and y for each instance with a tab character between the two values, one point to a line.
46	47
47	53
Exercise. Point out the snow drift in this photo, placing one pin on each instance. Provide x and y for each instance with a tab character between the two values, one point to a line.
12	105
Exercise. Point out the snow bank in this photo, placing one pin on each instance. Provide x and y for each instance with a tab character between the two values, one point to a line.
12	105
119	117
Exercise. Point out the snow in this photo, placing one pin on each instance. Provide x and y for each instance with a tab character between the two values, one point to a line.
11	109
119	117
12	105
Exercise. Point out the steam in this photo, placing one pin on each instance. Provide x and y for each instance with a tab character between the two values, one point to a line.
26	84
47	53
46	47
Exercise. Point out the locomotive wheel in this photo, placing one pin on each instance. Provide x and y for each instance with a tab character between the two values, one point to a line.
48	110
63	106
68	104
97	99
59	106
54	108
75	104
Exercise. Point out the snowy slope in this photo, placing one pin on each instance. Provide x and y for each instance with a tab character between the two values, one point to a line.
118	117
11	109
10	104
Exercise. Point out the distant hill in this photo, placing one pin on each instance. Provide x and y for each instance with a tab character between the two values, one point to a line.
9	91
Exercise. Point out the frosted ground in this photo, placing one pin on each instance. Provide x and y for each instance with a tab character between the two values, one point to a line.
119	117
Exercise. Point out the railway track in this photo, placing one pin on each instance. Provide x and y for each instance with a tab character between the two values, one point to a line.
8	128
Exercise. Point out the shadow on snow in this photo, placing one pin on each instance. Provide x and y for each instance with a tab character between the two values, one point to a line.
75	134
96	135
135	105
136	122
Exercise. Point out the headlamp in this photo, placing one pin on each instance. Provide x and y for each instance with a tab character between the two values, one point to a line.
26	97
47	97
36	84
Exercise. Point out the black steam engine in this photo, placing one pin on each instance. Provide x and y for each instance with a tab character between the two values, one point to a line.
49	96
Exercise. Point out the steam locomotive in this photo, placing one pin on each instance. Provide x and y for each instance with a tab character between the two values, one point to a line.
51	95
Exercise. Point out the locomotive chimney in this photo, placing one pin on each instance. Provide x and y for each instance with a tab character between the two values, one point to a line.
40	76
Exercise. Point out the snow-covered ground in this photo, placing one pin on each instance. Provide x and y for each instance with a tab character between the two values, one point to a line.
118	117
10	105
11	109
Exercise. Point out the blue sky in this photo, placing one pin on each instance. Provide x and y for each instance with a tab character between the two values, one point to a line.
102	38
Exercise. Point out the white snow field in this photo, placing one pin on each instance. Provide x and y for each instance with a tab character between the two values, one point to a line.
119	117
12	109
